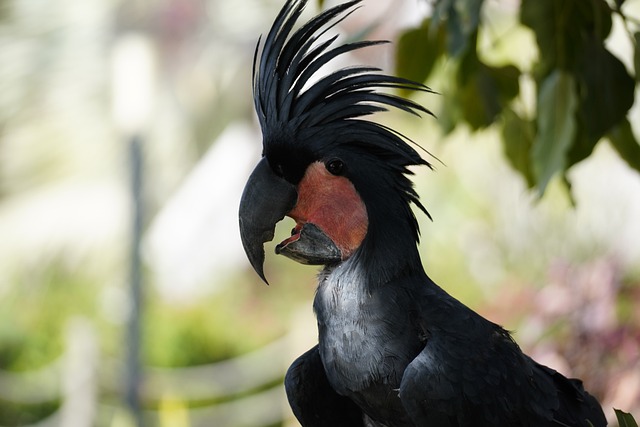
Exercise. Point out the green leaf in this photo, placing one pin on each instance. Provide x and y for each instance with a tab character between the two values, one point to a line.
450	115
560	26
556	126
462	18
625	419
606	89
483	90
517	135
625	143
418	50
490	89
606	94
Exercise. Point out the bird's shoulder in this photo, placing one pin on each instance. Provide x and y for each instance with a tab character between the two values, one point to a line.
466	355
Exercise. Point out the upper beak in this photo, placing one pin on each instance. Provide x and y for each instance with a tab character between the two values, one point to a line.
265	201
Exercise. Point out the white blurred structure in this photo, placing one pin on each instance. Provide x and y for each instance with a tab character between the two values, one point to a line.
134	72
194	240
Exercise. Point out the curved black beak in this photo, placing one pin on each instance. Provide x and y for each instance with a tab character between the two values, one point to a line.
265	201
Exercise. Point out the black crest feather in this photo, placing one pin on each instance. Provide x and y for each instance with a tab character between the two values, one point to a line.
293	111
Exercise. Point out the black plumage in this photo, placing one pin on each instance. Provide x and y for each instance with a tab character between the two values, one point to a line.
394	348
310	120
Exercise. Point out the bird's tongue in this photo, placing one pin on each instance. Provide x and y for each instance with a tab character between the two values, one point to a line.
295	235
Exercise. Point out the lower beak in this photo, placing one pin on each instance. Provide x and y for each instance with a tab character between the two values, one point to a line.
265	201
308	244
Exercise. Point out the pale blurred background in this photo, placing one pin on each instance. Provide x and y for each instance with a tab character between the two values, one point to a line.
130	124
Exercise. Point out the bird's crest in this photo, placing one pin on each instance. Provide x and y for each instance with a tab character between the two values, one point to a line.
293	111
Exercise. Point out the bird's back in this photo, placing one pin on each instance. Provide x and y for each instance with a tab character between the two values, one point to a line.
472	373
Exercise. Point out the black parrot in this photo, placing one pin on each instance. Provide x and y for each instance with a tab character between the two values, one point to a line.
394	348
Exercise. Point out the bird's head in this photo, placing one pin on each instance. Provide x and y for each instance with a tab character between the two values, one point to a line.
340	177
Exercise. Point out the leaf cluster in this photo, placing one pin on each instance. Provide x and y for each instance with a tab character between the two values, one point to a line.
583	91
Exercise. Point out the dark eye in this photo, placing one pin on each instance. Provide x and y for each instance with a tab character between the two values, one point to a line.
335	166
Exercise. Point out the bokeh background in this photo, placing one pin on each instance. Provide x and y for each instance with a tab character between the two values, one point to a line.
126	135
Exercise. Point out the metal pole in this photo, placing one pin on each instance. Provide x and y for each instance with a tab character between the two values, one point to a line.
133	76
133	366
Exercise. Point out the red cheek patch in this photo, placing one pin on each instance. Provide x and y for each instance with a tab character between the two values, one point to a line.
333	204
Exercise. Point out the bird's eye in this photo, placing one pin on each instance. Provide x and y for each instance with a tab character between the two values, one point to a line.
335	166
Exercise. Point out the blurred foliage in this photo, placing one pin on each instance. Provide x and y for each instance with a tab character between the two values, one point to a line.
34	312
220	327
584	91
33	315
18	414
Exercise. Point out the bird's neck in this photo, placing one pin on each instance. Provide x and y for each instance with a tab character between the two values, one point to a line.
361	307
389	252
